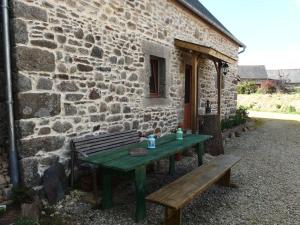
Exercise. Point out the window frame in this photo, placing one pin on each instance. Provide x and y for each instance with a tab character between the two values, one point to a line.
154	61
159	76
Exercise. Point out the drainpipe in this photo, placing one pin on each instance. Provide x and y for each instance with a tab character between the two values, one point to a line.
244	49
13	159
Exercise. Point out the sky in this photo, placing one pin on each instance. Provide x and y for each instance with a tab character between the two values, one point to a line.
269	28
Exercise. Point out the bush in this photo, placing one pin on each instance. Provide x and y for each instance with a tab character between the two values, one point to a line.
260	91
242	114
246	87
24	221
268	87
2	210
292	109
240	117
296	90
21	195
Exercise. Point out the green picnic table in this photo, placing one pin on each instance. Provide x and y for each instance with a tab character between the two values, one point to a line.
119	160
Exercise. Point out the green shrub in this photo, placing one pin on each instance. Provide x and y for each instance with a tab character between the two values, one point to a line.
242	113
278	106
297	90
2	210
239	118
291	109
252	105
21	195
24	221
246	87
53	220
260	91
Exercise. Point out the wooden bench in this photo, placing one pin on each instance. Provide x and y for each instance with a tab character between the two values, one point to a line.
90	145
182	191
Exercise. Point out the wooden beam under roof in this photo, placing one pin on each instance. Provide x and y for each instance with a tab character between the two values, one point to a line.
204	50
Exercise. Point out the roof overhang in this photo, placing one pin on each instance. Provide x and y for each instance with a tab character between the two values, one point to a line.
201	49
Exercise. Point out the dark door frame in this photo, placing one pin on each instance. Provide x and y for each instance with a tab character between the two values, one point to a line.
194	87
188	72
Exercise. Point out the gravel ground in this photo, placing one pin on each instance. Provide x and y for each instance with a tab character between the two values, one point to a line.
268	180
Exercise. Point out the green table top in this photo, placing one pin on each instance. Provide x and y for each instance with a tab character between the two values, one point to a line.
119	158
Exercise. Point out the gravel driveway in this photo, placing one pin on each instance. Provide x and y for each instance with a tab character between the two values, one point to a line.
268	180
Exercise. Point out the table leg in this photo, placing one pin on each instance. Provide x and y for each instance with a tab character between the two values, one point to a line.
172	165
106	189
140	186
200	152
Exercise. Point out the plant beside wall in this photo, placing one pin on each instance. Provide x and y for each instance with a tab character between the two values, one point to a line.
21	195
239	118
25	221
246	87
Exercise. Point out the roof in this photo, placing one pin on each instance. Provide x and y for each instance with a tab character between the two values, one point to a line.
255	72
197	7
289	75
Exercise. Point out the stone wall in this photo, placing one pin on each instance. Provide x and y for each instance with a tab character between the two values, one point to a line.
81	67
5	185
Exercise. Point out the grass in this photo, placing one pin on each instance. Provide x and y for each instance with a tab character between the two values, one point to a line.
278	103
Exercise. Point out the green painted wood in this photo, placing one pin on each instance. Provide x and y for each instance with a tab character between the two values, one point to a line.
105	156
119	160
106	189
140	185
172	165
127	162
200	152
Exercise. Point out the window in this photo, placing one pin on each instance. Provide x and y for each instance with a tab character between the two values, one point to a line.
157	77
154	76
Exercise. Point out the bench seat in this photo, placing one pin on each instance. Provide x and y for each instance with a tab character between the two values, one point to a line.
182	191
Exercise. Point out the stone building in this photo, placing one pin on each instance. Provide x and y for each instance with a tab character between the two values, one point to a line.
289	77
255	73
88	66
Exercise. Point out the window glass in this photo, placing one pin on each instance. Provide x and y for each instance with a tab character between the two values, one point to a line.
157	80
154	76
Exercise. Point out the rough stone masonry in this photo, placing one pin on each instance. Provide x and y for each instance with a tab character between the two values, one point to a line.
82	66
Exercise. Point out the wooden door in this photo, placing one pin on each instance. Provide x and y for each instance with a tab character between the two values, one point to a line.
188	97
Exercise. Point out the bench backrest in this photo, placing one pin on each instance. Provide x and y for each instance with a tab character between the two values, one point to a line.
89	145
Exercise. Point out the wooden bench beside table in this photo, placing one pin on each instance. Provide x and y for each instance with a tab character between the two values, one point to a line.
182	191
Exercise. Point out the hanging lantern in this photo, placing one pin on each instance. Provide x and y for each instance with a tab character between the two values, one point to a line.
224	68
